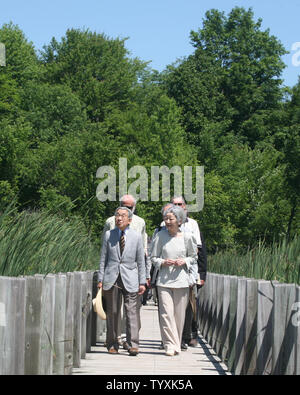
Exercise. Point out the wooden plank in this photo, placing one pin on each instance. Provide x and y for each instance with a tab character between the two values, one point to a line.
47	325
59	325
77	320
219	313
296	323
251	328
202	302
232	323
94	315
151	361
6	352
18	324
207	306
69	323
88	309
213	338
33	322
83	313
225	320
240	326
284	333
12	325
265	305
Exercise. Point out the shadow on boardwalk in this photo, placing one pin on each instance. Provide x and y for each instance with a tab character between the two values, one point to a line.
199	360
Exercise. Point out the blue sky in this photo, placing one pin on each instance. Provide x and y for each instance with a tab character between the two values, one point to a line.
157	30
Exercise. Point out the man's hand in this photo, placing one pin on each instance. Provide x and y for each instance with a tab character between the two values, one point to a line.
99	284
142	289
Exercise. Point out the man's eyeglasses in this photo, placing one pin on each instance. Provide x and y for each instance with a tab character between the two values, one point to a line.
178	204
121	215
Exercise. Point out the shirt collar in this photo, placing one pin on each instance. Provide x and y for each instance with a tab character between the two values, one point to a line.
125	231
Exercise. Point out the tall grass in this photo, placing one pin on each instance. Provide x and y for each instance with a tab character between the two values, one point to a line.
280	261
40	242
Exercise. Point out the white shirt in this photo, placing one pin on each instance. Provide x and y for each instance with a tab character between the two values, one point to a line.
191	226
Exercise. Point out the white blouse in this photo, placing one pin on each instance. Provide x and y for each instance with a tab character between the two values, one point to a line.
172	247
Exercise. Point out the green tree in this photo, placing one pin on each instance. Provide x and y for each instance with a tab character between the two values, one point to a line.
233	77
94	66
21	60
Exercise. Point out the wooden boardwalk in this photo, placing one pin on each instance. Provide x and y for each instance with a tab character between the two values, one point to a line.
199	360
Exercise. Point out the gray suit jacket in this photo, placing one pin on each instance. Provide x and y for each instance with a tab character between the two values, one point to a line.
131	265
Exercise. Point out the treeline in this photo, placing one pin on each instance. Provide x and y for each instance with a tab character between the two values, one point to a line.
84	102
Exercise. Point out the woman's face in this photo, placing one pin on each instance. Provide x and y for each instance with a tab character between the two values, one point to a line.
171	222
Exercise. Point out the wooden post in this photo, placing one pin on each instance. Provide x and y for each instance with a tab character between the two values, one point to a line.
12	325
69	323
77	320
202	306
33	324
88	309
251	328
47	325
219	313
207	306
284	335
214	299
94	315
83	313
232	323
240	326
296	323
265	304
225	320
59	325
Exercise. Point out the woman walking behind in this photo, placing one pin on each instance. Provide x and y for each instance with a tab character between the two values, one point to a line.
174	253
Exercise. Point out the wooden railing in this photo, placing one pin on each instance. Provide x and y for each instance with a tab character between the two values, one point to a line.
253	325
46	323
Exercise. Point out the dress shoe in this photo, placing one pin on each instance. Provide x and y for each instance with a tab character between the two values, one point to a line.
125	346
133	351
193	343
112	350
184	346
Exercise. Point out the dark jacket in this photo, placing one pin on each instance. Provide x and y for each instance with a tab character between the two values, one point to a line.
202	259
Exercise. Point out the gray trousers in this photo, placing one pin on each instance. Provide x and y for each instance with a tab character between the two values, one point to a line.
113	298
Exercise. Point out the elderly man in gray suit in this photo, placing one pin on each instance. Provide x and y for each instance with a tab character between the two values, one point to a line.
122	271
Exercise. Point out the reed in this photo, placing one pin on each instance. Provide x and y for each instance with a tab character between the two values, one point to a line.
279	261
40	242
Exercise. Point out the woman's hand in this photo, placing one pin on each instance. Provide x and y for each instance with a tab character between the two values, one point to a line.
179	262
169	262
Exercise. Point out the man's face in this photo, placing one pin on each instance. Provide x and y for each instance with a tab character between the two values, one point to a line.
180	203
128	202
122	220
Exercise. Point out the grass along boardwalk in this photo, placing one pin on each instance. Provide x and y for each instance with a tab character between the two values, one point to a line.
199	360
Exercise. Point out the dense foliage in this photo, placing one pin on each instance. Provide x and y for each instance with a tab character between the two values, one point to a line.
83	102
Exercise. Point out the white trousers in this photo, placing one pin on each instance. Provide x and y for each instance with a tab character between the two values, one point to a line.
172	307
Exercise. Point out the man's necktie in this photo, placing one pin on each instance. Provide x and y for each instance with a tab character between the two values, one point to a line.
122	242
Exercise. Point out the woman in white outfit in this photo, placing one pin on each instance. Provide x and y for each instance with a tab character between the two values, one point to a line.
174	253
